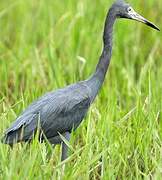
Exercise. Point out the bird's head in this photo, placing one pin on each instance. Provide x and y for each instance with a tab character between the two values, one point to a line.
124	10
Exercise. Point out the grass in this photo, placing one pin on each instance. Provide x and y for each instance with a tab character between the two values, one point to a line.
45	45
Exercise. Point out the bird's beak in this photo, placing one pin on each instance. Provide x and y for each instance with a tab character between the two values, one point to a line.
135	16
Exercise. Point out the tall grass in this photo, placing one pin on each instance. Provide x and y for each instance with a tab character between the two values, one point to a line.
45	45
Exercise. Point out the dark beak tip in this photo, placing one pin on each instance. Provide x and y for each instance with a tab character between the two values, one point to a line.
157	29
152	25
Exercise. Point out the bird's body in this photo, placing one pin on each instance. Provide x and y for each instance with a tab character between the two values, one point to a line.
61	111
56	112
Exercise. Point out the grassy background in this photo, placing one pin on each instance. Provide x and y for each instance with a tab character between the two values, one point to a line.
45	45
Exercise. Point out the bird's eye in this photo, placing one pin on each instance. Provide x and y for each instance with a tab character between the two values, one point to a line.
129	9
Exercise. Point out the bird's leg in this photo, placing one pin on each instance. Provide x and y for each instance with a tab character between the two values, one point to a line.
65	147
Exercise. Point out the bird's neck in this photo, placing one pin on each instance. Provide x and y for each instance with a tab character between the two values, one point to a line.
98	77
105	57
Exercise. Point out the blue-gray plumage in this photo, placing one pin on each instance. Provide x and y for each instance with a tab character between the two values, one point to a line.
61	111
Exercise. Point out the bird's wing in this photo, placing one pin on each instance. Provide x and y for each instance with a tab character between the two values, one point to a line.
50	106
22	120
67	113
30	114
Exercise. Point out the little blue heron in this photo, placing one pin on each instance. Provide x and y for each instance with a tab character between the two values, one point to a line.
57	113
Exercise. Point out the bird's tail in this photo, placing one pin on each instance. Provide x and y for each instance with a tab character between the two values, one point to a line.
11	138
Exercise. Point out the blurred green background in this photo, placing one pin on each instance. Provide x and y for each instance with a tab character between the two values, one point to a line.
45	45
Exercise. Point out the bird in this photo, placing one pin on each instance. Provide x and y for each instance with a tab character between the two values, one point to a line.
57	113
